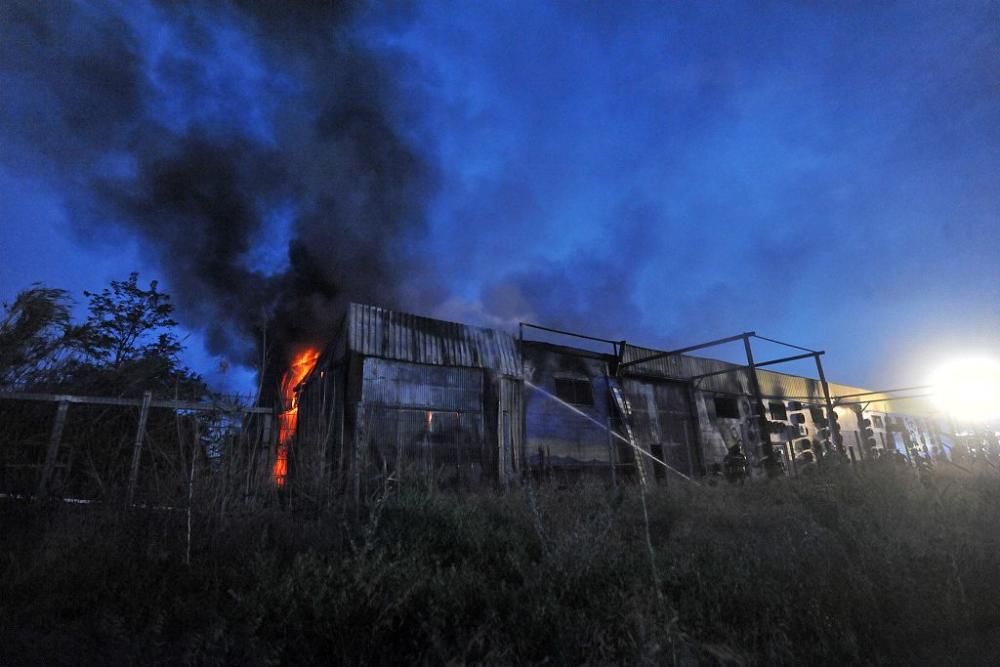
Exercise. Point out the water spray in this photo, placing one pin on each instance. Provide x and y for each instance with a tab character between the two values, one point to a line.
614	433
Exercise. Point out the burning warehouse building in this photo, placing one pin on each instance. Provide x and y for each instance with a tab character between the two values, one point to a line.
398	395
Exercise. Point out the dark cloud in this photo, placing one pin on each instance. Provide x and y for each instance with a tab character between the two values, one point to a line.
592	290
195	125
818	168
72	83
663	173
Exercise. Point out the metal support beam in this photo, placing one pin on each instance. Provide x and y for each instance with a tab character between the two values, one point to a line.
562	332
784	360
764	433
883	400
887	391
829	403
692	348
772	362
781	342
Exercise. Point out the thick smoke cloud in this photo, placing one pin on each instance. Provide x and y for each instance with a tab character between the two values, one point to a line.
658	172
819	175
255	148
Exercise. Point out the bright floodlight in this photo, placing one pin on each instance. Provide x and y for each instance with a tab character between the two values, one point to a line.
968	389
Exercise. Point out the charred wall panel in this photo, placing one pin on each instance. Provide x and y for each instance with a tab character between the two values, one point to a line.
402	384
510	434
316	448
569	432
416	419
377	332
663	424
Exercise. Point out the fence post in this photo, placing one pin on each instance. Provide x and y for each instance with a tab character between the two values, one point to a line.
133	475
267	447
52	455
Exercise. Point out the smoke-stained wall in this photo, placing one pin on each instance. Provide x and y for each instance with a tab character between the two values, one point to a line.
433	396
566	409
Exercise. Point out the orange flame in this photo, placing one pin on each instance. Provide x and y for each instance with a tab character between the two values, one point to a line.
302	363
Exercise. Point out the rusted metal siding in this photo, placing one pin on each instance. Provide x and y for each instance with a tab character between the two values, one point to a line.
377	332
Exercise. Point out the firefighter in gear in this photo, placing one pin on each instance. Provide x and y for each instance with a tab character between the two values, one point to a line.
735	466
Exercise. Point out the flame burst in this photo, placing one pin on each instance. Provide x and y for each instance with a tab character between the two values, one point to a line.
302	363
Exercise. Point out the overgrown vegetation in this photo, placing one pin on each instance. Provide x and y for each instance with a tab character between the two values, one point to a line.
862	565
126	344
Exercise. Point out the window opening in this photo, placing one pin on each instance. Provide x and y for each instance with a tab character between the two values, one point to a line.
726	407
575	392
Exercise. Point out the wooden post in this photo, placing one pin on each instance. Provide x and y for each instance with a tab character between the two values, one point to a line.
399	455
360	453
253	470
195	447
52	454
140	433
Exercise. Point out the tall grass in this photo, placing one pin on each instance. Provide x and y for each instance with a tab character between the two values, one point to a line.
863	565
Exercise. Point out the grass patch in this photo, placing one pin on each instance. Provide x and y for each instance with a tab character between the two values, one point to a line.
864	565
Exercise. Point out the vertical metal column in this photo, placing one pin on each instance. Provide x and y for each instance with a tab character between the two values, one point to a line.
829	403
771	466
612	459
522	420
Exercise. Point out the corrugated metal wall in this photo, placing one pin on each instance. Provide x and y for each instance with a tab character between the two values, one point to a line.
376	332
662	424
422	419
402	384
428	393
316	451
558	434
510	434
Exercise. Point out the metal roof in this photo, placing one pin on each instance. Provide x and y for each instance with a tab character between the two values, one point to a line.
378	332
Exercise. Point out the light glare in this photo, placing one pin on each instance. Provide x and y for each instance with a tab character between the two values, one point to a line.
968	389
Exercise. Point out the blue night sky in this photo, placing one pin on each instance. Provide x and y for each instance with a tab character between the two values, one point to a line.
661	172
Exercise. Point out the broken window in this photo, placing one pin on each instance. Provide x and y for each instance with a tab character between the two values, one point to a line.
575	392
778	411
727	407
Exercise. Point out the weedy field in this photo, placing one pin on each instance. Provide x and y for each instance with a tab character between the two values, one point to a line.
862	565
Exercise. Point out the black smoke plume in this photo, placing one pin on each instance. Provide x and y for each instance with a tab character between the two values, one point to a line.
153	140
